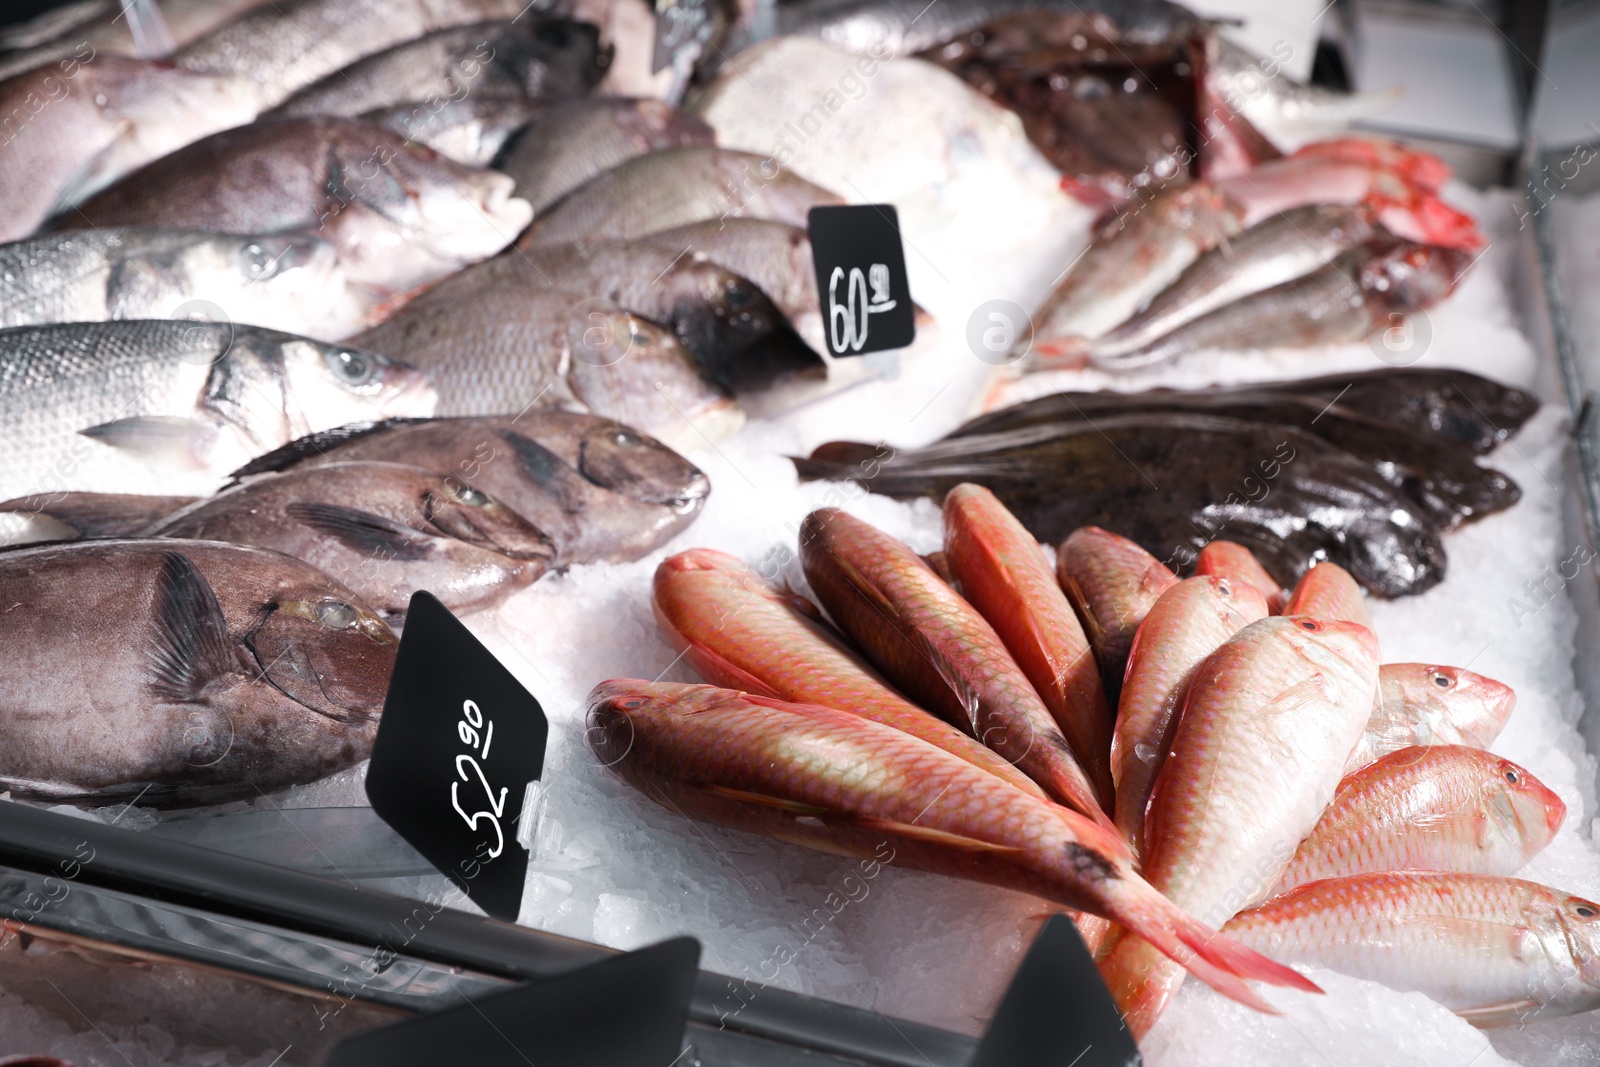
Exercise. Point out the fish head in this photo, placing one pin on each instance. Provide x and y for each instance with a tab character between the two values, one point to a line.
1327	640
334	385
1413	276
1576	923
1465	707
1237	601
637	466
468	514
616	708
324	649
555	56
738	336
1525	809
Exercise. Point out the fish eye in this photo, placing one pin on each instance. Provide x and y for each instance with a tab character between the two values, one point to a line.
631	703
1224	587
626	439
351	367
258	262
1584	910
738	296
1442	680
472	498
336	614
1512	776
1311	625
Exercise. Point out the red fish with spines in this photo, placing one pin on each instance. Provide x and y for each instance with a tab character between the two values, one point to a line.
835	782
1427	704
1430	808
1227	559
1002	571
738	631
1112	583
1186	624
937	649
1327	591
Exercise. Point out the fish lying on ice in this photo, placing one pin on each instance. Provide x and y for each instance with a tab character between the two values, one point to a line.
102	26
1112	584
1425	704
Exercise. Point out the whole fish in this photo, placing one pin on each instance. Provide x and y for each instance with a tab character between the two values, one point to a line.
500	348
600	490
1186	624
1327	591
531	57
937	649
399	215
283	47
287	282
831	780
385	530
1496	951
738	632
674	187
472	131
80	124
579	139
199	395
1278	250
1112	584
103	27
218	672
97	514
1002	571
1263	735
1148	246
1173	482
1224	559
1424	704
1432	808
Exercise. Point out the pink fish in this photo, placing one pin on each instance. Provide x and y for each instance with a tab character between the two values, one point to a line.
1327	591
1226	559
1112	583
1424	704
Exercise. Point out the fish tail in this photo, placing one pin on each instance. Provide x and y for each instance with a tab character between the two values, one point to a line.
841	459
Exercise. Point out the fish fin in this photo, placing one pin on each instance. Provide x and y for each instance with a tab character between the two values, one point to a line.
545	469
66	791
190	645
99	514
1502	1014
717	668
164	437
313	445
930	836
793	807
1296	696
362	531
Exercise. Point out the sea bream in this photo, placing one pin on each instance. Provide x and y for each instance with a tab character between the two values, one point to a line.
218	672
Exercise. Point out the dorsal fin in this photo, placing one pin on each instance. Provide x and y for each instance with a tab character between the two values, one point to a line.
313	445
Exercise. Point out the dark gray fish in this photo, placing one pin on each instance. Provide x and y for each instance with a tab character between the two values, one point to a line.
600	490
579	139
472	131
385	530
1173	482
181	672
532	58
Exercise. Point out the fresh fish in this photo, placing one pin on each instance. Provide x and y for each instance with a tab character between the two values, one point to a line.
738	632
601	491
287	282
1496	951
472	131
1423	169
399	215
78	125
1282	248
1224	559
103	29
831	780
1265	728
1174	482
385	530
201	395
580	139
97	514
506	348
1112	584
1287	112
284	46
537	58
1189	622
181	672
1327	591
1361	293
1002	571
938	650
1423	704
1136	257
1432	808
675	187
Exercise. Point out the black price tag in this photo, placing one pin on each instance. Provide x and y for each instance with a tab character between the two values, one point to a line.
861	278
459	742
680	25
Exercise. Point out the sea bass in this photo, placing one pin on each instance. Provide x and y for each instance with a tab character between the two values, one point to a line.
1430	808
738	632
1496	951
1112	584
1327	591
286	282
601	490
400	215
196	395
1186	624
102	27
472	131
937	649
831	780
1002	571
385	530
1423	704
219	672
1286	693
1224	559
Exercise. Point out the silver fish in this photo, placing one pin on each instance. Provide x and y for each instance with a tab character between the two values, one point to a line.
385	530
674	187
197	395
181	672
103	27
472	131
580	139
1287	112
288	282
400	216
